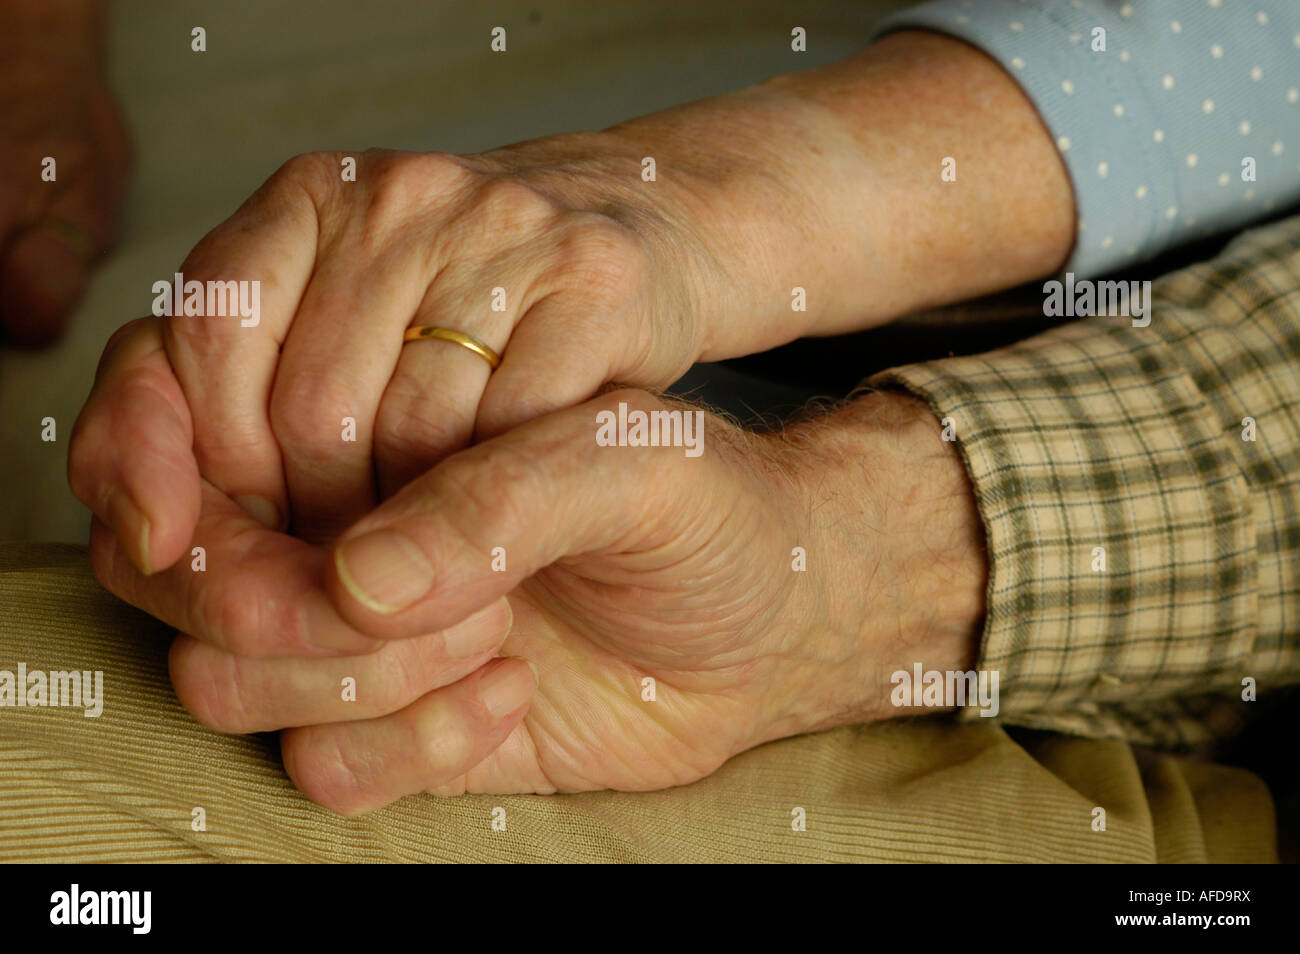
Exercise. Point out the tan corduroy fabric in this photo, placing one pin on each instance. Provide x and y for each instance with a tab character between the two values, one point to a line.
123	786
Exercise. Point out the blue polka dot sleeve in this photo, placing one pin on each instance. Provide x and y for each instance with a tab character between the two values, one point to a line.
1175	118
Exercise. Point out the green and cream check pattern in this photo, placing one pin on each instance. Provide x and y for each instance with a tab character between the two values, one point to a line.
1101	434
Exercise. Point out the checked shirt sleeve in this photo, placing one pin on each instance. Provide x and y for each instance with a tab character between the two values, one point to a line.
1098	433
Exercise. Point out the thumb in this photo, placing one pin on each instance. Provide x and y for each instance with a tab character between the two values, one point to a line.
486	518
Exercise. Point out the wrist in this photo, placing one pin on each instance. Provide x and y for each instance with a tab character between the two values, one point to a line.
733	172
831	180
896	566
914	105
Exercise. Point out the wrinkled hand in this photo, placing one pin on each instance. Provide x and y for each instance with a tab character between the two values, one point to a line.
800	193
593	282
620	564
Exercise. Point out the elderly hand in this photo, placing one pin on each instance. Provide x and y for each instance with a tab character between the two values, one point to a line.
593	278
56	218
810	204
656	594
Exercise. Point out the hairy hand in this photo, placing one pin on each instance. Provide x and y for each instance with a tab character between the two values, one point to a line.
654	592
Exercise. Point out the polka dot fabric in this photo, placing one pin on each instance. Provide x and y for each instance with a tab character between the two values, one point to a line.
1181	120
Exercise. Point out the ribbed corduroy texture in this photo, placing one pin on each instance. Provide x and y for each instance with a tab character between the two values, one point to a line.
121	787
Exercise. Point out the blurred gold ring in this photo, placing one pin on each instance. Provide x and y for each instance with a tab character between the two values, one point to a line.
75	236
457	337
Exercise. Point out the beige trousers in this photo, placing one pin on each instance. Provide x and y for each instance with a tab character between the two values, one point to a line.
125	786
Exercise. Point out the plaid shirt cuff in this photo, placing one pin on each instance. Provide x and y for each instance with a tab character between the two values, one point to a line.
1143	551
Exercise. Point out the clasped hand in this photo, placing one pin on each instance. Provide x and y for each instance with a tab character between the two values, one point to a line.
477	594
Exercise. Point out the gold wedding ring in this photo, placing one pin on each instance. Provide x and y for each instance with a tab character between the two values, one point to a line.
446	334
71	234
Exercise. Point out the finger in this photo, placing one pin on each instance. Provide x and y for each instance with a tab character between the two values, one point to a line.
238	694
250	591
337	359
226	363
427	410
129	457
355	767
430	404
486	518
512	768
497	243
590	326
379	257
560	355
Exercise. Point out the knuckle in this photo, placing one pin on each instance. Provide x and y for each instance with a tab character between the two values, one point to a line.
93	446
208	686
505	206
448	748
315	760
232	623
417	427
248	612
306	415
313	172
231	612
496	494
400	183
440	172
400	675
602	259
391	189
119	337
313	176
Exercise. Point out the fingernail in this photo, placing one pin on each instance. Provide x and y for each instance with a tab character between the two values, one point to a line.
131	526
260	509
506	688
480	632
383	570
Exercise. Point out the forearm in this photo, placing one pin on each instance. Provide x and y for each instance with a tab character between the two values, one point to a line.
830	180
